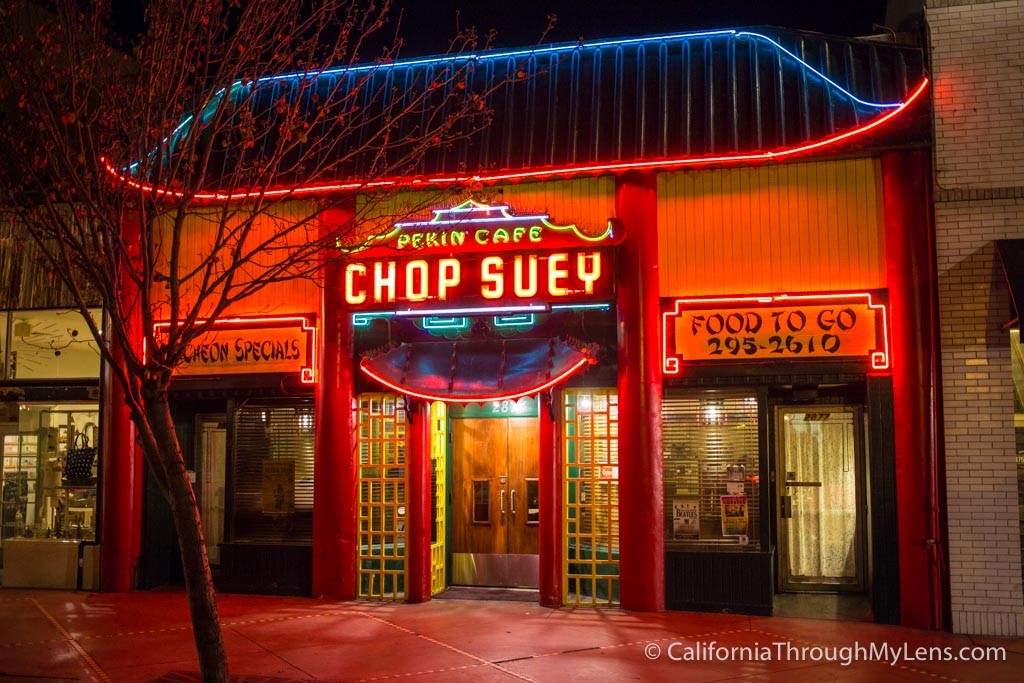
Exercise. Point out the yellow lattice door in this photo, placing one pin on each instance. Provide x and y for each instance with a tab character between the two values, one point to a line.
590	421
438	483
382	496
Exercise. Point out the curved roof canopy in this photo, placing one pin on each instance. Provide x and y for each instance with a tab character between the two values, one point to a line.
663	101
476	371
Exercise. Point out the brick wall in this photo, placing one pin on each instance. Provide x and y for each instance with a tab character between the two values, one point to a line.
977	56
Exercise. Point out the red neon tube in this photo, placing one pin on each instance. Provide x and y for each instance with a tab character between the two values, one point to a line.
563	171
477	399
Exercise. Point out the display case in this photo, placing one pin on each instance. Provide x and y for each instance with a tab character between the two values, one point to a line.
20	477
71	511
38	502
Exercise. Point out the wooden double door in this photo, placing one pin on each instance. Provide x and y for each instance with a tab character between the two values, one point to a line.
495	511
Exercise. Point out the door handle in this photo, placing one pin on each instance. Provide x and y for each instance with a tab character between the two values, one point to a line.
513	501
503	501
786	507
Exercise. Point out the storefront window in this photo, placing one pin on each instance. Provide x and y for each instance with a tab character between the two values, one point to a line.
711	470
52	344
272	473
49	472
1017	355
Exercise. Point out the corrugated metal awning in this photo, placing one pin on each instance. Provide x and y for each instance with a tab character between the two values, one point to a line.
704	94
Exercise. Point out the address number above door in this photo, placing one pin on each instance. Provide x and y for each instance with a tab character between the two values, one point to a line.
789	327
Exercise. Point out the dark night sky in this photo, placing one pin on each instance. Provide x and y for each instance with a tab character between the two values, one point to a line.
428	25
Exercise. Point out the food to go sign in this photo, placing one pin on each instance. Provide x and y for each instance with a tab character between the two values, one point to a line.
785	327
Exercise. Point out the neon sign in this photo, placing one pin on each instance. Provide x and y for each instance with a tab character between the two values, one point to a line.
240	90
477	227
566	171
497	395
235	346
557	276
782	327
457	256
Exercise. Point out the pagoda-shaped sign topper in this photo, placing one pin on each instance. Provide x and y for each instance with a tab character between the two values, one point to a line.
475	226
480	254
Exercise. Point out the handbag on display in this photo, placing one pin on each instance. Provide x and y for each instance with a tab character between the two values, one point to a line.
78	462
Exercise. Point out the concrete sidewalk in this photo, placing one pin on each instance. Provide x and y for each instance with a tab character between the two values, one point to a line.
53	635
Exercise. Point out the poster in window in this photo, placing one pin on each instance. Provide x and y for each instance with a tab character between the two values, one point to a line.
686	518
734	515
278	487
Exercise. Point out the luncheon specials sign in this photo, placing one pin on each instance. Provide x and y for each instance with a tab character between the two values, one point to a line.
284	344
480	254
841	326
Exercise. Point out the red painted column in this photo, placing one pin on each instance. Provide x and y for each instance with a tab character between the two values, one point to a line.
550	500
120	495
120	514
919	474
641	534
418	517
334	471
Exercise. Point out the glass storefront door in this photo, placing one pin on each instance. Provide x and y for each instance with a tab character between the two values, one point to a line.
213	451
820	502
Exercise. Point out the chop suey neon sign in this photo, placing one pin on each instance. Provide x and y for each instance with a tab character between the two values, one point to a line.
480	253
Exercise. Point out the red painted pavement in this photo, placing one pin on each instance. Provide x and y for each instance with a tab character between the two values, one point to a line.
145	636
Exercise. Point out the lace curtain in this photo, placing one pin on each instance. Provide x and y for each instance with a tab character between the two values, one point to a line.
822	533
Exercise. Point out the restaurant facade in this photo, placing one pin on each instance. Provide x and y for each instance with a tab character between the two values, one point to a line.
668	343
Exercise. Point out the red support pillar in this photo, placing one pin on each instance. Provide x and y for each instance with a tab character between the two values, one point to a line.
121	478
550	500
120	514
920	480
641	529
334	471
418	517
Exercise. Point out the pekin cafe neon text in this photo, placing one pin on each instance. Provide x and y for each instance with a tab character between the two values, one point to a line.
554	276
457	238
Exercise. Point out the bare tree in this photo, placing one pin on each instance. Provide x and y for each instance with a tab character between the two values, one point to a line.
117	151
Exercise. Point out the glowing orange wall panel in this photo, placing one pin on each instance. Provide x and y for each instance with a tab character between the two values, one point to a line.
197	237
784	228
587	202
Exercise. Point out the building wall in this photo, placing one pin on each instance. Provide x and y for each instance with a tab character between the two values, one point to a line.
803	227
271	231
977	57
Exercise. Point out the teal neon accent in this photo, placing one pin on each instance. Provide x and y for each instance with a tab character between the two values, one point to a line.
440	323
364	319
580	307
481	310
570	47
236	89
874	105
518	320
497	54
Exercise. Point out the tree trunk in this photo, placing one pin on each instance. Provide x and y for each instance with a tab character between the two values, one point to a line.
202	600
